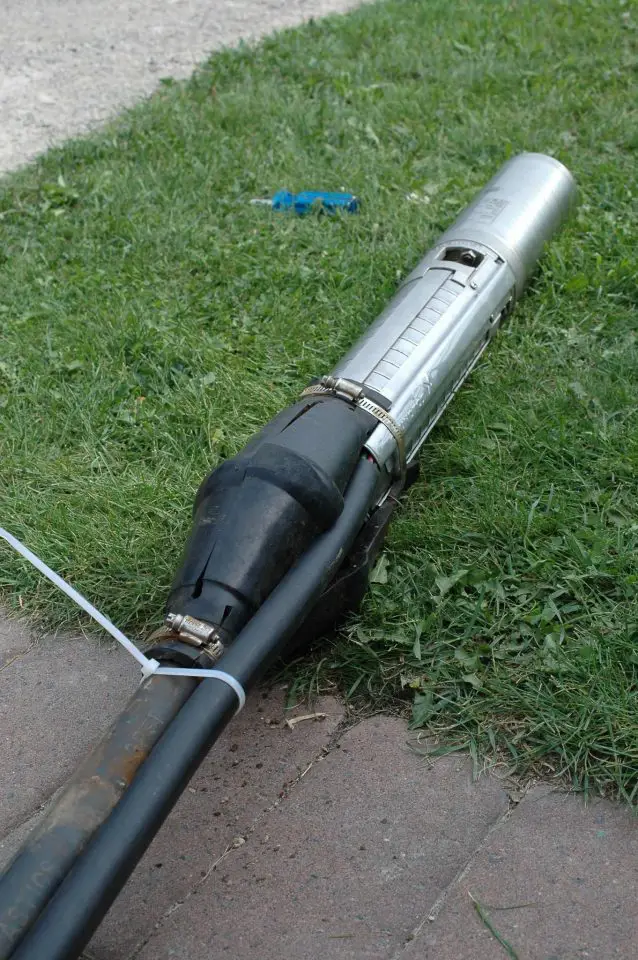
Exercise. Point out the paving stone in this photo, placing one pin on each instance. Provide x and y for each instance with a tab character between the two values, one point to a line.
57	697
558	881
344	867
246	772
15	640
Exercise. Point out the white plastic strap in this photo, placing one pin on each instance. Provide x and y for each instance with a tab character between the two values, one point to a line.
226	678
149	667
77	597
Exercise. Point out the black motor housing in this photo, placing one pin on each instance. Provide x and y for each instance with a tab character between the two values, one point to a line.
257	513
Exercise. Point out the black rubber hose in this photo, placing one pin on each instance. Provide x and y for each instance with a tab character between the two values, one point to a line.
68	922
86	801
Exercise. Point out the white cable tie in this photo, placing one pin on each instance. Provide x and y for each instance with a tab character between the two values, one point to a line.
149	667
226	678
81	601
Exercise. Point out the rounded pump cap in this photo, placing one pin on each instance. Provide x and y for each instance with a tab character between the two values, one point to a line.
517	213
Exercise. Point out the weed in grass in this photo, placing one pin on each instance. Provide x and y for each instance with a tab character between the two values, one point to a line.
151	320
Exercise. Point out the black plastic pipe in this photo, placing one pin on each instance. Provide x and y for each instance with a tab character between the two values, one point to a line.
70	919
84	804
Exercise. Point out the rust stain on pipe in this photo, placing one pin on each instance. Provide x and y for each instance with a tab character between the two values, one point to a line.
85	802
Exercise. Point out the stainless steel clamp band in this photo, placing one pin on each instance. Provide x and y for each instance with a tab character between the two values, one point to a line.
347	390
196	633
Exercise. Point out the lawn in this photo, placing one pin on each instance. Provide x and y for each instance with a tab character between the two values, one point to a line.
151	320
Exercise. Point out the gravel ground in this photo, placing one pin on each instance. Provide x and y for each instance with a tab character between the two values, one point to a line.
66	65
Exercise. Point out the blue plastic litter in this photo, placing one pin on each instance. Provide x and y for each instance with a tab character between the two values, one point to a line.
303	202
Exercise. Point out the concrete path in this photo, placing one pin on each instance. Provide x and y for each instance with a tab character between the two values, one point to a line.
330	839
333	838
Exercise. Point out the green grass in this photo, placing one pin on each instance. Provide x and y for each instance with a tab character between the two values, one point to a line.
151	320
